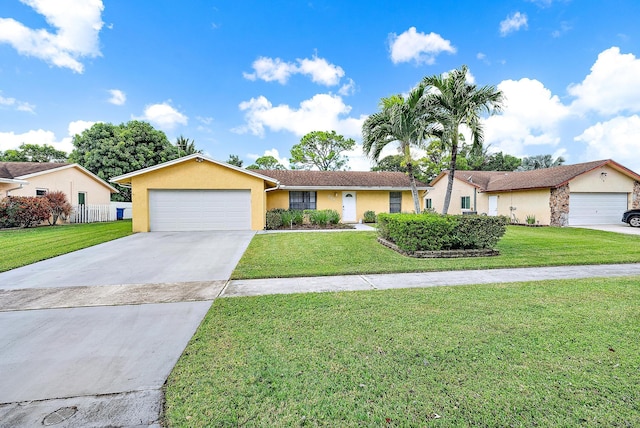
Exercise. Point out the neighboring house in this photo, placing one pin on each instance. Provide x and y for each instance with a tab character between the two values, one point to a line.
37	178
198	193
569	195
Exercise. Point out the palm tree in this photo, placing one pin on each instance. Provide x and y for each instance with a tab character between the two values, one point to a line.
186	146
539	162
402	120
454	102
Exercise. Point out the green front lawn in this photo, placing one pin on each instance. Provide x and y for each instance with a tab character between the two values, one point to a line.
344	253
554	353
22	247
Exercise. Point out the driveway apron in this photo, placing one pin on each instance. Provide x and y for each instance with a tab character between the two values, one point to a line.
124	312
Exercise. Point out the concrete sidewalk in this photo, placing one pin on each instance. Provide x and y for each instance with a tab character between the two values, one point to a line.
256	287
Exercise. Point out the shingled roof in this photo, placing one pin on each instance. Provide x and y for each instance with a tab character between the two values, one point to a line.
340	179
13	170
503	181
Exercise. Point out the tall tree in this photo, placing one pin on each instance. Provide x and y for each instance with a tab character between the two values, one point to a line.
235	160
13	155
109	150
396	163
501	162
454	102
267	162
322	150
400	120
186	146
540	162
34	153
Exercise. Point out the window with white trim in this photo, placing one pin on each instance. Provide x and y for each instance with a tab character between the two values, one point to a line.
428	204
465	202
395	202
302	200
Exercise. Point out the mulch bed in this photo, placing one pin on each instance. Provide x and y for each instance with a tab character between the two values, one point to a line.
316	227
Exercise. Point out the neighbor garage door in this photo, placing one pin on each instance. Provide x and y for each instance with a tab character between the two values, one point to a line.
186	210
596	208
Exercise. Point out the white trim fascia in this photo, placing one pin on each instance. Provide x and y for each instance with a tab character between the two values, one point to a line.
13	181
125	177
354	188
73	165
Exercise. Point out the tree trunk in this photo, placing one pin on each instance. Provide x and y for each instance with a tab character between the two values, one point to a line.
452	171
414	189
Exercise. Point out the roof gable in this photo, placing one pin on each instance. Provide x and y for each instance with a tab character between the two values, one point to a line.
20	171
502	181
126	178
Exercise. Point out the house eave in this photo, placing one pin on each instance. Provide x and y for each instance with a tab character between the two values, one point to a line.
198	157
354	188
73	165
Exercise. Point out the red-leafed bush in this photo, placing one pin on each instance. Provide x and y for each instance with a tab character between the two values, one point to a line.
60	207
24	211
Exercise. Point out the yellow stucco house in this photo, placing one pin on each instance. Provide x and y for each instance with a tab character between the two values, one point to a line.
198	193
569	195
37	178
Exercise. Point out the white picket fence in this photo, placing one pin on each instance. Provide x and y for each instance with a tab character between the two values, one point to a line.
97	213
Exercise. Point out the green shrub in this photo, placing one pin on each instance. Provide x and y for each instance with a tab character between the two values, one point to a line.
531	219
432	232
369	217
297	216
318	217
333	216
476	231
274	219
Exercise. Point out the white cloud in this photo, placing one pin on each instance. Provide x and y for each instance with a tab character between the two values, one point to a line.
323	112
11	140
273	152
418	47
612	86
117	97
77	23
204	120
78	126
18	105
614	139
513	23
319	69
531	116
348	88
270	70
164	116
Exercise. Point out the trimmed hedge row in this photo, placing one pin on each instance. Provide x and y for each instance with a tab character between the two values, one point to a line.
278	217
433	232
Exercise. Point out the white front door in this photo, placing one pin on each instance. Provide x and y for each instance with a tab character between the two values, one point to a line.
493	205
348	207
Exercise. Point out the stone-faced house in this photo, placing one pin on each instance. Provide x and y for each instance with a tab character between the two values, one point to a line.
595	192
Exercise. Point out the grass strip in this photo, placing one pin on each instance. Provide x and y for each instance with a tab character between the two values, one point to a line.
344	253
21	247
552	353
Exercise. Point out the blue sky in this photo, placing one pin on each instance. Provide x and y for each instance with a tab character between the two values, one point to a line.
252	77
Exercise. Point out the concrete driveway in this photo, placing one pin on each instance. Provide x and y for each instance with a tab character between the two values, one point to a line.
618	228
124	312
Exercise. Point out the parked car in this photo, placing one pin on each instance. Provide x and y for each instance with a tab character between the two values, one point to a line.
632	217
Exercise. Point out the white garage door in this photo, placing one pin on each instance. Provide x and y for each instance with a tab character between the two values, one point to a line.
596	208
186	210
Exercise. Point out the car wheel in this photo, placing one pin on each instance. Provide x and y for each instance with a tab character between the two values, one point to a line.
634	221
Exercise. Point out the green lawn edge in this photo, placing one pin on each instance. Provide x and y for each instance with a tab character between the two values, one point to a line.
21	247
547	353
283	255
